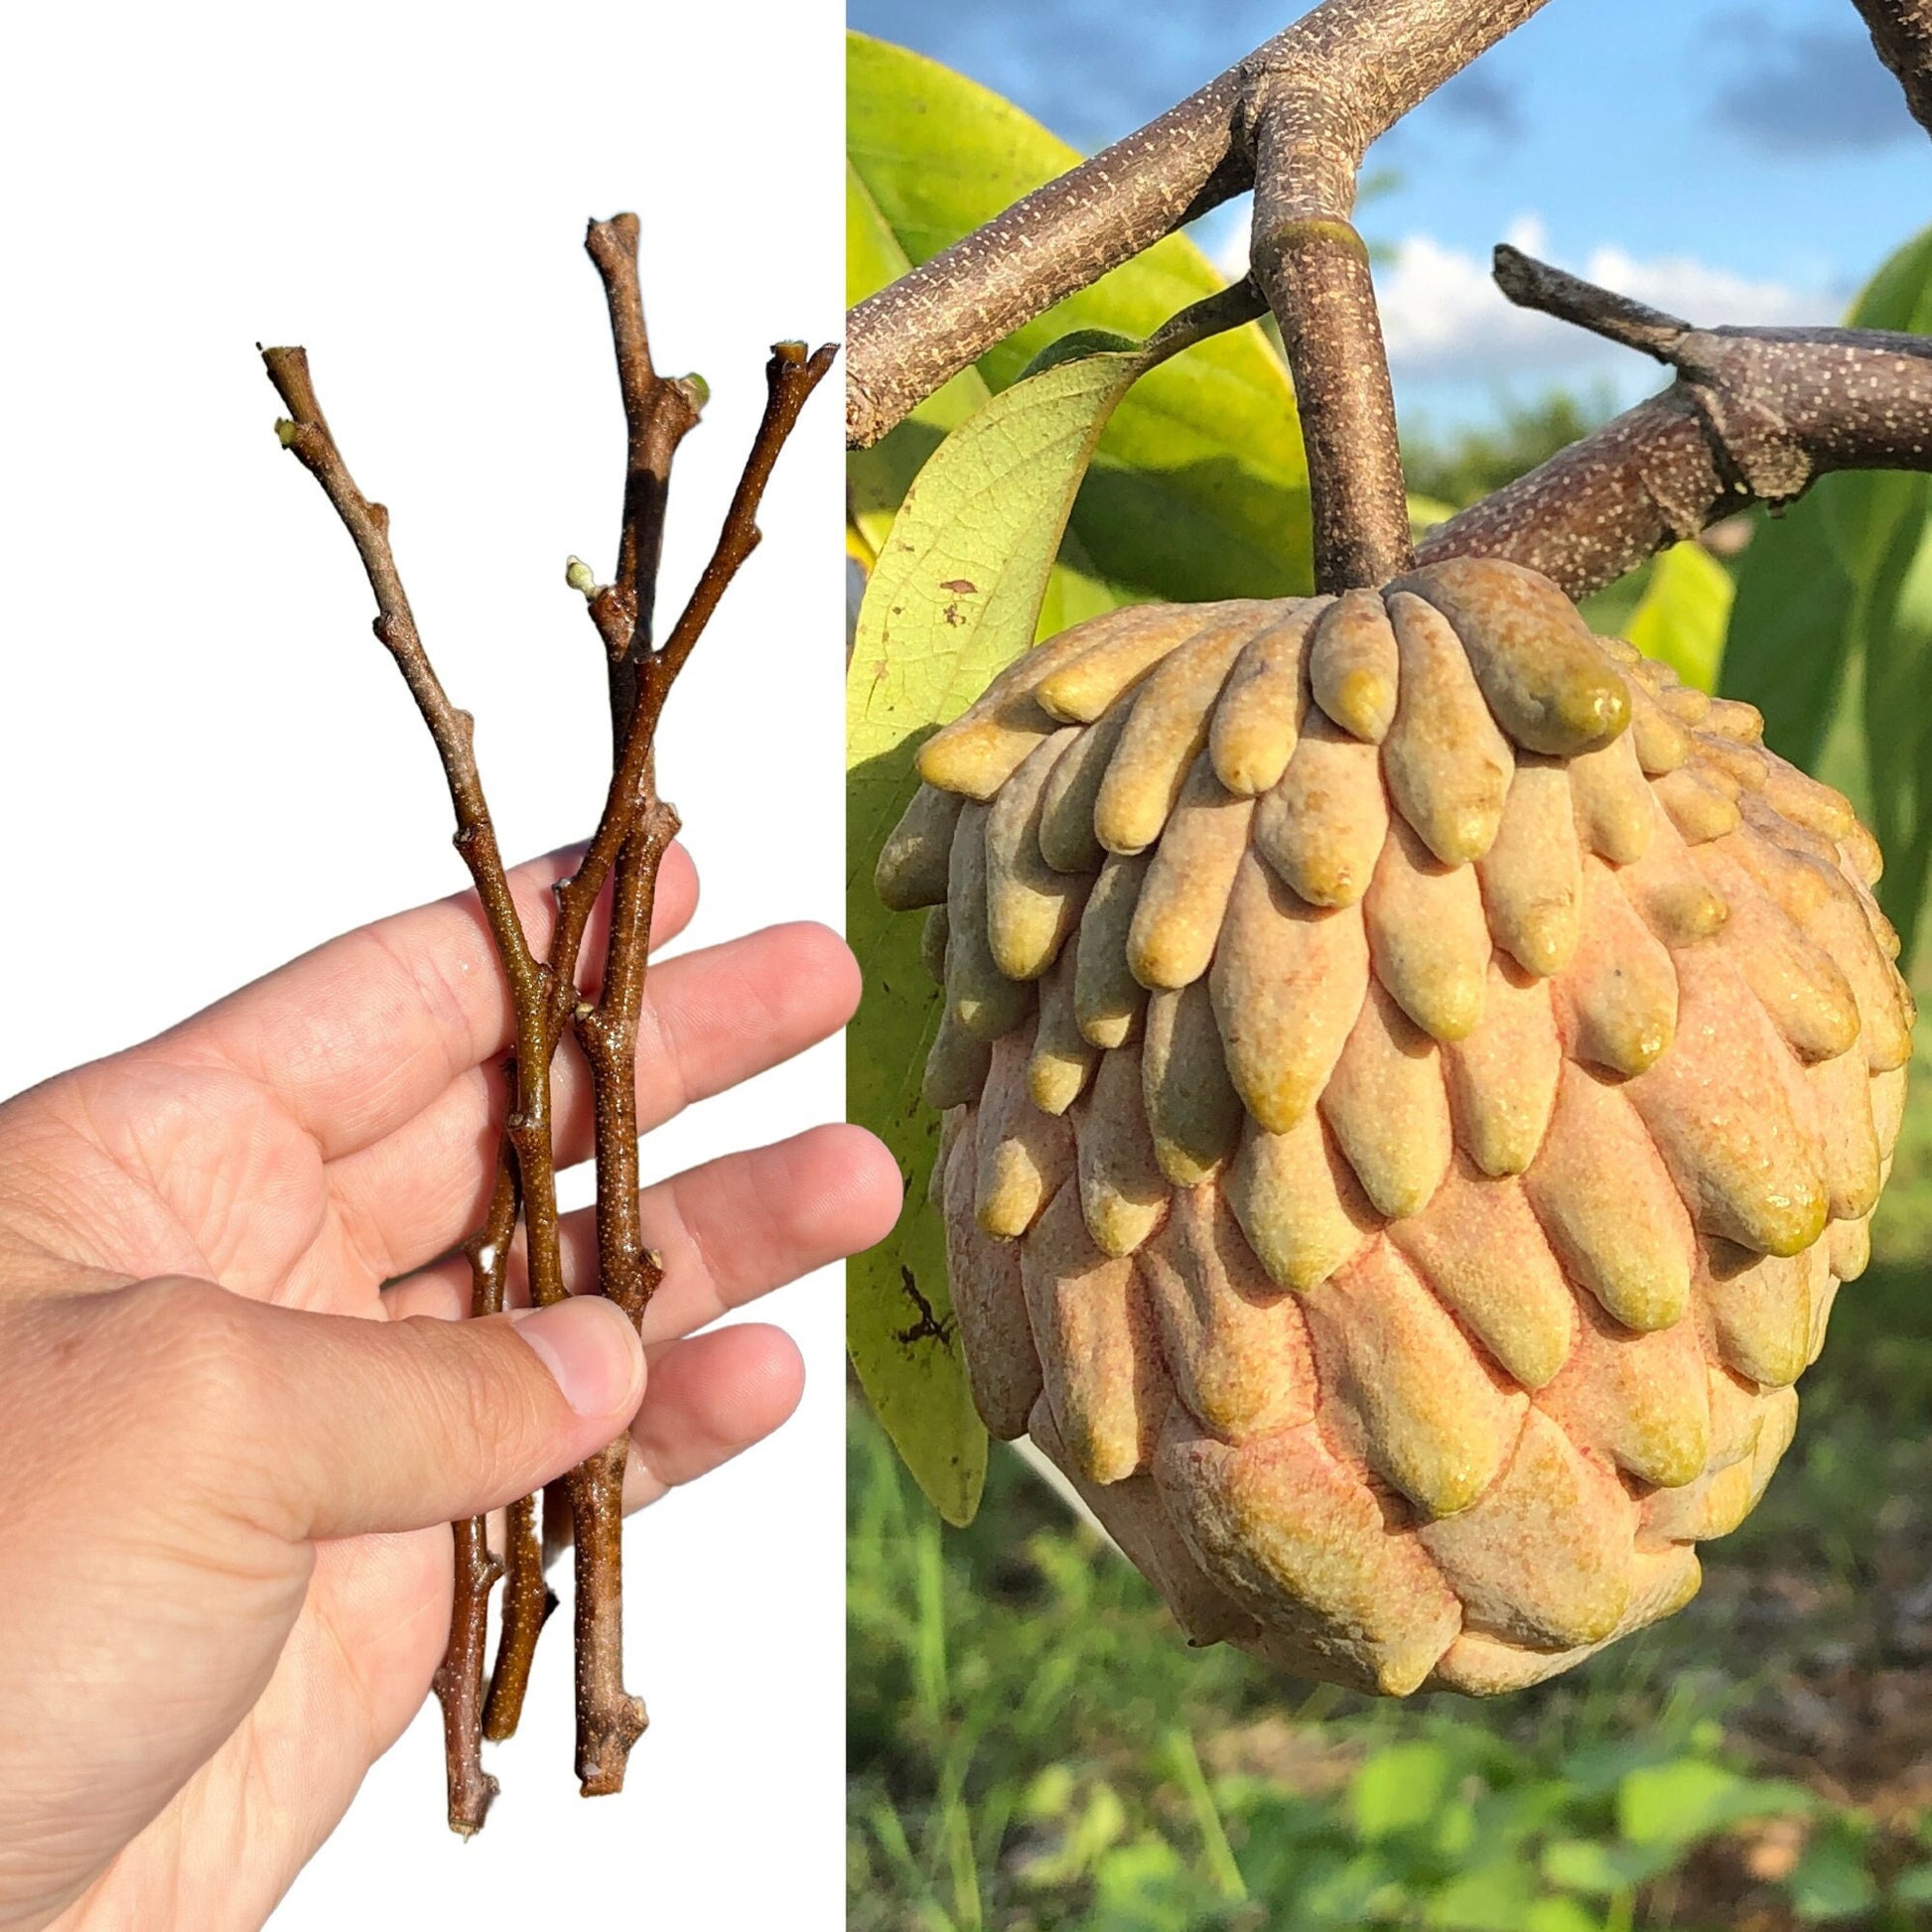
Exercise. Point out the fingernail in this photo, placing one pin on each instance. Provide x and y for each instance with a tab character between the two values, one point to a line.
589	1347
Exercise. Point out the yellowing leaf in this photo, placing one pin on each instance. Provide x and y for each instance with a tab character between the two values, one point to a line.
954	594
1199	488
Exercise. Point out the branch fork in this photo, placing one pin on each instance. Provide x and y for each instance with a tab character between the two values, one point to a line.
634	830
1756	414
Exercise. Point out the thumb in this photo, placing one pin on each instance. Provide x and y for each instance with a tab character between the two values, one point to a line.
347	1427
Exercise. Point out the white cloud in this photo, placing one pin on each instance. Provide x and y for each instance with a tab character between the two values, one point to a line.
1444	319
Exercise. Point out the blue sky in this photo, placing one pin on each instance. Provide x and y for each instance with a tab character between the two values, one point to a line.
1731	162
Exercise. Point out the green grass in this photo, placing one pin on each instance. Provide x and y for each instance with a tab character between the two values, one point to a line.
1032	1746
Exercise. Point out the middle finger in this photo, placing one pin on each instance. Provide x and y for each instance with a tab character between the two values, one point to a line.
728	1231
711	1020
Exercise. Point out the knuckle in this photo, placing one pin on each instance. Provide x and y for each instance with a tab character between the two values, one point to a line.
484	1407
198	1387
198	1355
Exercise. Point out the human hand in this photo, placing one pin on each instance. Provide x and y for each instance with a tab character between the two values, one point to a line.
224	1565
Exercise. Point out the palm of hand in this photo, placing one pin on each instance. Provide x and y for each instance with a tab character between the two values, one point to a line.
331	1129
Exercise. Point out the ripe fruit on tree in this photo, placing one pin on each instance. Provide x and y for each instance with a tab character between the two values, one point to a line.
1415	1077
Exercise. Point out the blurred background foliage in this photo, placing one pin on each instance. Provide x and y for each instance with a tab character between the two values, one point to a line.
1031	1744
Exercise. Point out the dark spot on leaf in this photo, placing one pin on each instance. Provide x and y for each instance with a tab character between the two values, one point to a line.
964	585
929	1327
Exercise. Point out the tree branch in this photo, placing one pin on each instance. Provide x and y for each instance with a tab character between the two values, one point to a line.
458	1680
1901	32
307	435
1311	124
531	984
633	831
658	414
1755	415
631	839
1374	59
610	1718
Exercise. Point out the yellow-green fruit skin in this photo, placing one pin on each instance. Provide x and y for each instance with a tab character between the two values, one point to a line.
1415	1077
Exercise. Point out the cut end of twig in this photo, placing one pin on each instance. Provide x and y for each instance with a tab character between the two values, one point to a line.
286	432
580	576
696	390
470	1806
1531	284
602	1762
622	229
788	357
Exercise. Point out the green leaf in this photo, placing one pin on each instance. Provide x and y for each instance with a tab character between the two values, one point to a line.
878	478
1559	1915
1399	1789
1830	637
1199	487
899	1310
1602	1870
1914	1886
1684	613
1788	637
1895	617
1832	1881
954	594
1492	1898
1679	1803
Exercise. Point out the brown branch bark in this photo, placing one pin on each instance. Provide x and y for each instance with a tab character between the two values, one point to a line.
530	981
1314	269
1313	101
634	830
1755	415
610	1719
454	732
1901	32
658	414
528	1601
637	823
458	1680
1371	61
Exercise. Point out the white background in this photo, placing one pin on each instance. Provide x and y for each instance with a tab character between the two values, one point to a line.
210	765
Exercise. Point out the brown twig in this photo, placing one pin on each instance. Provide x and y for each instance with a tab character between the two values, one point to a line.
1901	32
306	432
633	831
1314	269
1754	415
454	732
1372	60
458	1680
528	1601
658	414
610	1719
1310	125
